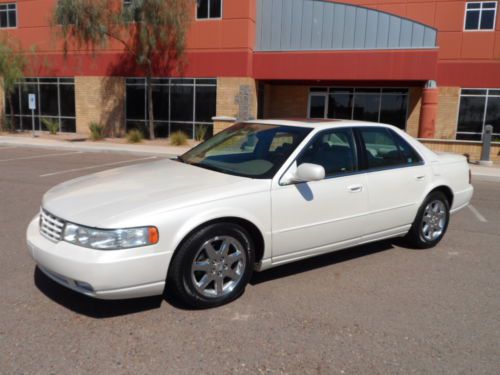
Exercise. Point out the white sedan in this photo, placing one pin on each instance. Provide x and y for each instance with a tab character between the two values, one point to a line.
257	195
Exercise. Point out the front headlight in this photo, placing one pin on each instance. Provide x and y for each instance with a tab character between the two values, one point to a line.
110	239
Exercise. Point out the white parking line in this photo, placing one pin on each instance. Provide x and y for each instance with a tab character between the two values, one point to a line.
480	217
41	156
97	166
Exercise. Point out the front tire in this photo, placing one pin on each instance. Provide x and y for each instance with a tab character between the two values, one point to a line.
431	222
213	265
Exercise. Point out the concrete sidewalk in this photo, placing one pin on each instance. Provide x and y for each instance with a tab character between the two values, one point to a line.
137	149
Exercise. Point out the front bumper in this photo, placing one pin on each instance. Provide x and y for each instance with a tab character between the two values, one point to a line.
114	274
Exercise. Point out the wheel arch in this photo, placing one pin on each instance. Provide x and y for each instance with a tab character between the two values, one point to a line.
446	190
246	224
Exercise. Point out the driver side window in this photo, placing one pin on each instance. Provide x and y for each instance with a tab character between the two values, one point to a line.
334	150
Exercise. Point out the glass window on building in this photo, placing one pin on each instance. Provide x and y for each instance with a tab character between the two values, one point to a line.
8	15
206	9
386	105
179	104
55	102
480	15
478	108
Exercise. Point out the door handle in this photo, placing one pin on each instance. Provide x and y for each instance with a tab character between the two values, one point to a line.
420	178
355	188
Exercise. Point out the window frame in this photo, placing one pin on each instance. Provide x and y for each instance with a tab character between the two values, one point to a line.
325	91
485	111
170	82
480	10
364	166
7	11
208	18
37	82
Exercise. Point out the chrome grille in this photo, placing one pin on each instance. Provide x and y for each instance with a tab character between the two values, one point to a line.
51	226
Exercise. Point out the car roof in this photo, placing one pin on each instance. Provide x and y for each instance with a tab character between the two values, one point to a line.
316	123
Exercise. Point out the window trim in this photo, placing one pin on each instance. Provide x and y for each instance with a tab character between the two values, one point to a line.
208	12
481	16
485	111
7	11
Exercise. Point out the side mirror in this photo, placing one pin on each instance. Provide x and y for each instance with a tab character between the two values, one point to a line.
309	172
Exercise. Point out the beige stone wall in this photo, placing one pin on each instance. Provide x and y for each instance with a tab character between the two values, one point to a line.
286	101
447	116
236	97
414	105
473	149
100	99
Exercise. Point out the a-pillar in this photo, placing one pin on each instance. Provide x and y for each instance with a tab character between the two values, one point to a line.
428	111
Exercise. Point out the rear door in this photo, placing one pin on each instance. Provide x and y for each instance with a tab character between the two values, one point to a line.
396	181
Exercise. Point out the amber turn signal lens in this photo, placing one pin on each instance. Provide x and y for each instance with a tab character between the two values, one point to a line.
153	235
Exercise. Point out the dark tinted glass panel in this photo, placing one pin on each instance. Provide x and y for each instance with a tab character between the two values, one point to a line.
470	115
25	91
493	113
473	5
469	137
186	128
473	92
487	19
366	107
136	102
67	100
489	5
17	123
67	80
334	150
317	106
203	131
368	90
161	129
3	19
47	80
472	20
27	123
160	81
494	92
393	110
68	125
12	19
182	81
340	105
215	8
137	81
48	100
395	91
206	81
205	103
139	125
160	102
202	11
381	151
15	103
182	103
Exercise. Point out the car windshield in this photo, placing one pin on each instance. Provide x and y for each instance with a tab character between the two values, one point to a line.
247	149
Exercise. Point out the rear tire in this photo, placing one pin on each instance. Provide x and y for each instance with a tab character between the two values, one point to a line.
431	222
213	266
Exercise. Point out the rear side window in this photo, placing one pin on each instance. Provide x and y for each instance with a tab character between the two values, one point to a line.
335	150
384	148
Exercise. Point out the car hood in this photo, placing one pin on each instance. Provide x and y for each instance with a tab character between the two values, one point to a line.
107	198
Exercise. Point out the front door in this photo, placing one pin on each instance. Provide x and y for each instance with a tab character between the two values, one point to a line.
320	216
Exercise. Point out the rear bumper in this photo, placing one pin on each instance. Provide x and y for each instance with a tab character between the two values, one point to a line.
461	199
116	274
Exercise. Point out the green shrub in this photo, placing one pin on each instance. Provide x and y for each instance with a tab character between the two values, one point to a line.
135	136
178	138
51	124
96	131
201	133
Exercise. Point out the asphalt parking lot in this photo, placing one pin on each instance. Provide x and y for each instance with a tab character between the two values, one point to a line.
376	309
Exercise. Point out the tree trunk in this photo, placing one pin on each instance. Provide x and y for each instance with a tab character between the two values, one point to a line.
151	124
11	105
